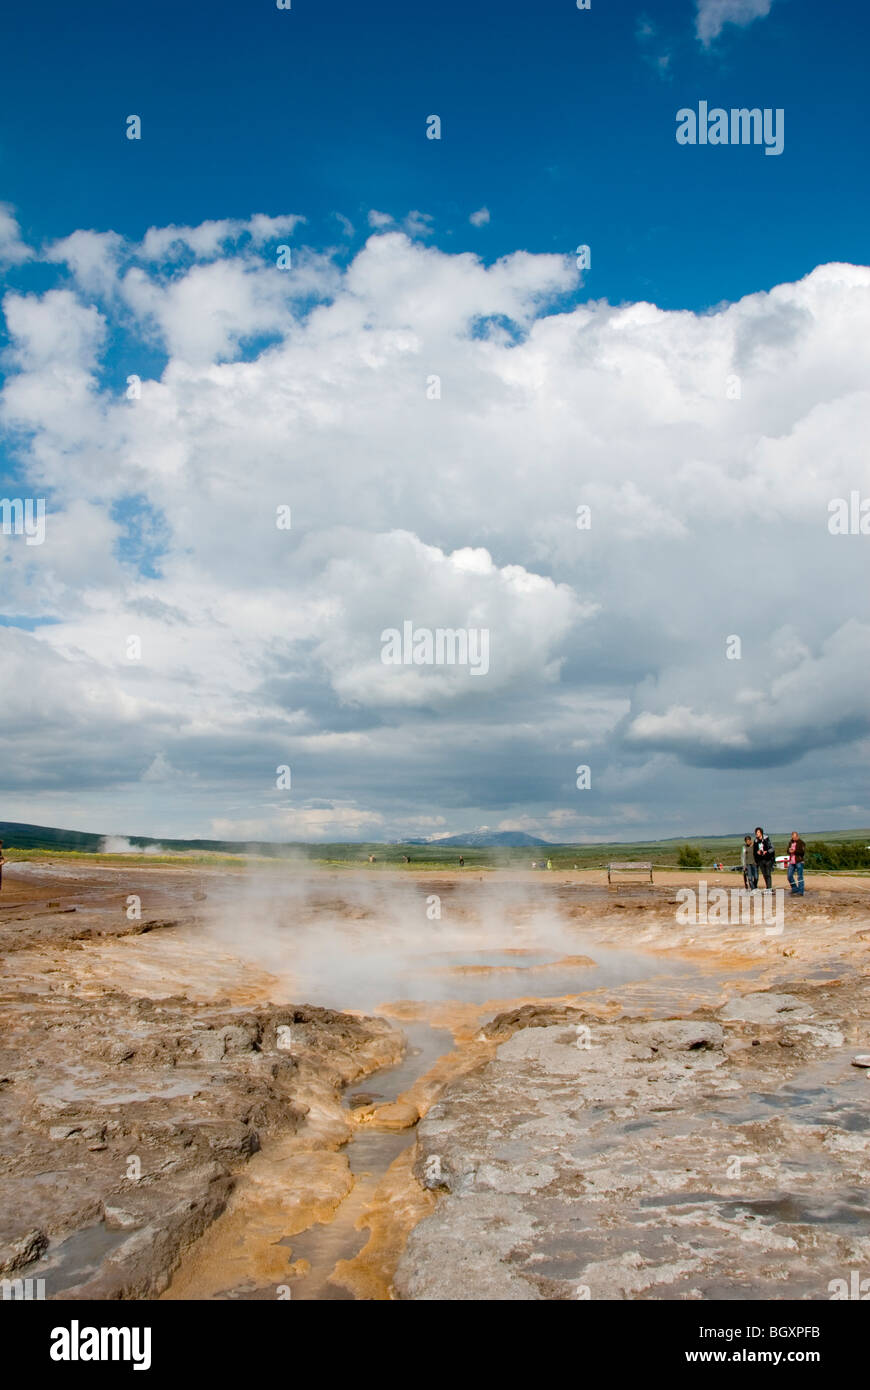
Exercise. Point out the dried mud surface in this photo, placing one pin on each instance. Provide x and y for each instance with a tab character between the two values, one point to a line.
126	1119
175	1120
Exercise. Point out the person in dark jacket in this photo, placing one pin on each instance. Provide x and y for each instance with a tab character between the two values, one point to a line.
796	854
764	855
750	868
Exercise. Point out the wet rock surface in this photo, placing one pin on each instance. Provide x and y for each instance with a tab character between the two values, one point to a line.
721	1155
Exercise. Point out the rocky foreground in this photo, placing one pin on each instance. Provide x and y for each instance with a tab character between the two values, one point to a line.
168	1131
126	1120
724	1155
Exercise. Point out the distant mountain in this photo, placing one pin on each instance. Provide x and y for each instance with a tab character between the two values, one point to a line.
20	836
490	839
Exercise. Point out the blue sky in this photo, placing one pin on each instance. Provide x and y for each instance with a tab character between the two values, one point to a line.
559	121
702	389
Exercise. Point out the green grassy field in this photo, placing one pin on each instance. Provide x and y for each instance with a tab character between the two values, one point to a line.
663	853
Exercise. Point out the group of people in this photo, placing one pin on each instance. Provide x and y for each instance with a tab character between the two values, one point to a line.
760	856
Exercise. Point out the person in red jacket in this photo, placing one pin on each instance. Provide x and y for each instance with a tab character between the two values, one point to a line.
796	854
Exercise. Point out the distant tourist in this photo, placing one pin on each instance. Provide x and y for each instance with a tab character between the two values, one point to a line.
796	853
461	862
549	863
750	868
764	854
2	862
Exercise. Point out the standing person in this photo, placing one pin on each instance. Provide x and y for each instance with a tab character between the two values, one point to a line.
750	868
796	853
549	863
2	862
461	861
764	854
